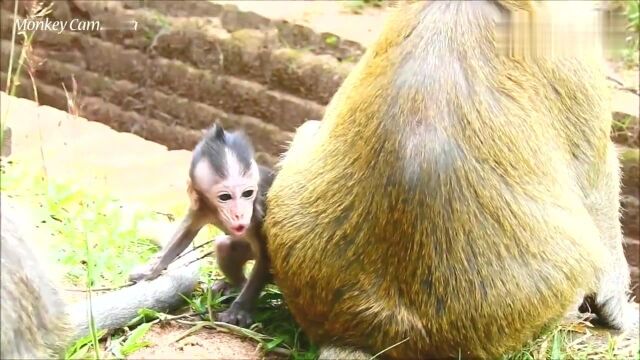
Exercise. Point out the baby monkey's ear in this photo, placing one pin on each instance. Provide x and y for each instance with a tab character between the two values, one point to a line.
218	131
194	199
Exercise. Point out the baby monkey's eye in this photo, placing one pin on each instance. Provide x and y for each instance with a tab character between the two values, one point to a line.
247	194
224	197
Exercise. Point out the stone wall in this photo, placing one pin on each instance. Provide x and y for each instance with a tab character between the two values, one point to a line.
190	63
187	64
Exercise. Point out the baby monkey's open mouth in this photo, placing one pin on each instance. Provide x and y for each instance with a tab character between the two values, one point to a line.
239	229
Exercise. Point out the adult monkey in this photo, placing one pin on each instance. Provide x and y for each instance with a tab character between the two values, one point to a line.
35	322
454	200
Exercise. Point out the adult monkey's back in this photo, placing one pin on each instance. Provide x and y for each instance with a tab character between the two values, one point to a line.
451	196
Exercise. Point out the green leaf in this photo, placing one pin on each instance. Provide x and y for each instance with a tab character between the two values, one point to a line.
80	353
556	348
116	349
81	347
331	40
273	343
134	341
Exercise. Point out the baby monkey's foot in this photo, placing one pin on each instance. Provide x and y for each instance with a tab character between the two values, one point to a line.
236	315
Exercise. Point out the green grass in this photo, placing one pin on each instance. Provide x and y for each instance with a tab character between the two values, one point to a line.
274	328
631	52
623	131
93	240
358	6
331	40
98	243
78	218
577	340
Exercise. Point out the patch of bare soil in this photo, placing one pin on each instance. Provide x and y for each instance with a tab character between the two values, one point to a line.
202	344
598	342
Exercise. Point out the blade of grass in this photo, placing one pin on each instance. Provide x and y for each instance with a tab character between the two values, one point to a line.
389	348
557	345
9	71
133	342
13	41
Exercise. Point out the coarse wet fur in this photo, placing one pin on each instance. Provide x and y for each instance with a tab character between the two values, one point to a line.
453	201
35	324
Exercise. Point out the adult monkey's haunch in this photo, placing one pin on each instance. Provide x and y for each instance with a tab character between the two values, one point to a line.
453	197
35	322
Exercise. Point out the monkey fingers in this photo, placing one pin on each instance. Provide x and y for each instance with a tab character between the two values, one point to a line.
142	272
138	274
145	272
155	271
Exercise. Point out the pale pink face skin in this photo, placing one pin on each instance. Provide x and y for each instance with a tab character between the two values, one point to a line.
232	196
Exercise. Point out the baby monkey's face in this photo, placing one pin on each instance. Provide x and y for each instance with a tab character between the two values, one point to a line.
230	197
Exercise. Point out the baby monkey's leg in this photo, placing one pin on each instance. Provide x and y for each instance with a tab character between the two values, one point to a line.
231	255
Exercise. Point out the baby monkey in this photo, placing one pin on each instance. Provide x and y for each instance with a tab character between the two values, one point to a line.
227	188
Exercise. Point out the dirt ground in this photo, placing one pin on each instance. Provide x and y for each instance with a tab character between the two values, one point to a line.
203	344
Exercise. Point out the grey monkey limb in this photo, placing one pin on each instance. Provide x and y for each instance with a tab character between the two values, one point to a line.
116	309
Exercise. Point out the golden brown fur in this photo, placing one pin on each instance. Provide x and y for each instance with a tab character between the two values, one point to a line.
450	196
